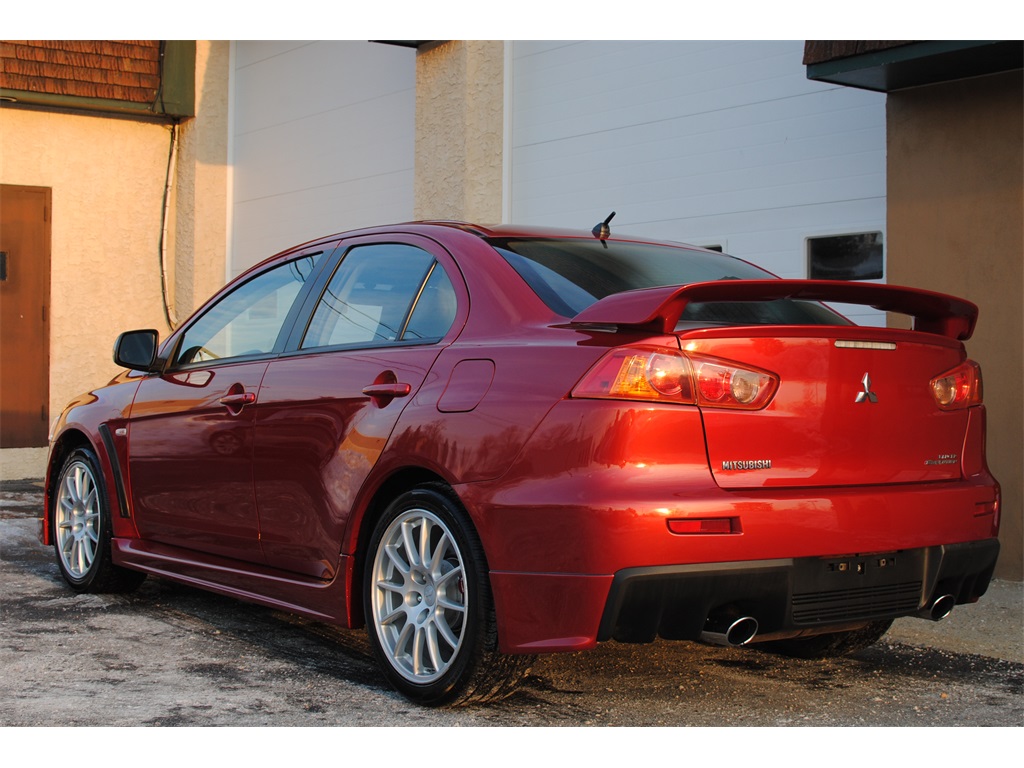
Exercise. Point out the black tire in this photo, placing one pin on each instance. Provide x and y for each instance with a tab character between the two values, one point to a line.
432	626
81	528
830	645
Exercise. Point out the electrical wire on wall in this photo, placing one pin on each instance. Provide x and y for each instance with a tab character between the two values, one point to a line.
169	313
158	98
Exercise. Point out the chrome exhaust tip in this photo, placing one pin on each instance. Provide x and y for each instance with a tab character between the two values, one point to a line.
940	608
729	630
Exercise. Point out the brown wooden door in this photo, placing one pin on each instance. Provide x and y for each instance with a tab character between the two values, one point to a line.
24	309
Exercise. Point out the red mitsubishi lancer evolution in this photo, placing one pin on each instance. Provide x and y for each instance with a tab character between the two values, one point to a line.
485	443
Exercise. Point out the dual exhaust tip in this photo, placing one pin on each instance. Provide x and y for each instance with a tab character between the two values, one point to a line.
939	609
730	630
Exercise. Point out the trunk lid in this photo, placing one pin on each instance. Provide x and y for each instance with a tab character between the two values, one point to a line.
854	407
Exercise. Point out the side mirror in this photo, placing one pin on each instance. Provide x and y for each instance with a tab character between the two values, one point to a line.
137	350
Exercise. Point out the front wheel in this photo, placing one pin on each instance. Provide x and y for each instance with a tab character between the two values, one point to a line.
427	599
81	529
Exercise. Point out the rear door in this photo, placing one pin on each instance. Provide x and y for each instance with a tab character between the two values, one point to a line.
328	406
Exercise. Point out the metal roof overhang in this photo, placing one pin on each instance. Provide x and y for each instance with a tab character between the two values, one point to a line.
922	63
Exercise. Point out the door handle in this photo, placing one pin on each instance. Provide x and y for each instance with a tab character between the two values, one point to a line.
397	389
239	399
385	388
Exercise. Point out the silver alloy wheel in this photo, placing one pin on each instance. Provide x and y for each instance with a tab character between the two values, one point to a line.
77	519
419	596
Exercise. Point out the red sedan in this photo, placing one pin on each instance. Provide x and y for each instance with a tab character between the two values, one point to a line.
488	443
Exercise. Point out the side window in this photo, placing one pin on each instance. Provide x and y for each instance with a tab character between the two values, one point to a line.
370	296
435	308
249	319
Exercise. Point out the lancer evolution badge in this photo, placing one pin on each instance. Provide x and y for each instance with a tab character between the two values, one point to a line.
866	396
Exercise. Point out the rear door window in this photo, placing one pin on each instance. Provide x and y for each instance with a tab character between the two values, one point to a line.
383	293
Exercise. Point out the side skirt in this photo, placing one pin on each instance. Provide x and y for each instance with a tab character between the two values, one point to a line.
326	601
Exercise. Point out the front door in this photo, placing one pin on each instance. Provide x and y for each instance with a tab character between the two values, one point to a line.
191	431
24	326
191	459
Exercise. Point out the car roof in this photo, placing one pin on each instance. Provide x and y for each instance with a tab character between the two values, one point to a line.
434	226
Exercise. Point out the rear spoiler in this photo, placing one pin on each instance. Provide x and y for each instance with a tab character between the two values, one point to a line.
658	309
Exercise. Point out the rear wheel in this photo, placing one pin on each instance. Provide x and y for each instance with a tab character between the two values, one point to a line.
829	645
81	529
429	612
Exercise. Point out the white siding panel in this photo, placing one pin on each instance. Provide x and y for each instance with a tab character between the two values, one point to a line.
274	223
322	141
323	149
623	84
723	143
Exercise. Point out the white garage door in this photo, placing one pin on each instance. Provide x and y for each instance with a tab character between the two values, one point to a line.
322	139
712	143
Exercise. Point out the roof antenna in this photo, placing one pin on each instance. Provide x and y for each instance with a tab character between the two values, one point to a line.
602	231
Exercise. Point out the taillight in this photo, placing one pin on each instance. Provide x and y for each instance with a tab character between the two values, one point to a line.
637	373
725	385
958	388
663	375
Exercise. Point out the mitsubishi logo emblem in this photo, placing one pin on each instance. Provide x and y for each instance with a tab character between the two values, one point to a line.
866	395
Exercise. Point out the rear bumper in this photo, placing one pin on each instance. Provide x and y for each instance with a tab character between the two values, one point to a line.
556	567
542	613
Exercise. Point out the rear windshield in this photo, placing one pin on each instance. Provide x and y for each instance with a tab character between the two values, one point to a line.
570	275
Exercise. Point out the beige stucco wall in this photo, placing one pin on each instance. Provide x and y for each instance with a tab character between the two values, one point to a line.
200	232
459	131
956	224
108	176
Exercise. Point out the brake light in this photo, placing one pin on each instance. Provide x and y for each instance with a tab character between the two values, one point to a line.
661	375
636	373
958	388
729	386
